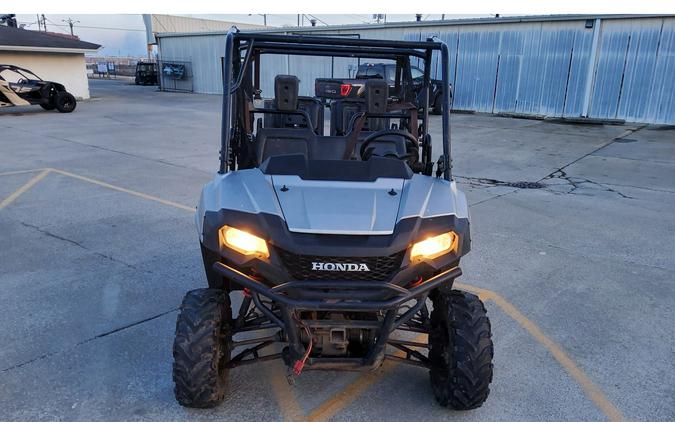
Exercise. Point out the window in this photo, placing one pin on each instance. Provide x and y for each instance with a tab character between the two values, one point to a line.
417	73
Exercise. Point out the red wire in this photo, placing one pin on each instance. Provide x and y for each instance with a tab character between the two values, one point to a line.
297	368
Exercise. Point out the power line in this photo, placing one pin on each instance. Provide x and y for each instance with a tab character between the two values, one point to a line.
95	27
106	28
57	25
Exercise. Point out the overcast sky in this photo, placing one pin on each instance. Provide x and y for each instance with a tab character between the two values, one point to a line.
124	35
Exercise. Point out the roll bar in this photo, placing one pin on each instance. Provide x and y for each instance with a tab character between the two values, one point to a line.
264	43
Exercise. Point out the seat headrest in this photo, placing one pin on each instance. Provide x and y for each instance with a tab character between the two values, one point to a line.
286	89
377	93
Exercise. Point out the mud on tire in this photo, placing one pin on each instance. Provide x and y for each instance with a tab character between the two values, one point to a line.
202	348
460	350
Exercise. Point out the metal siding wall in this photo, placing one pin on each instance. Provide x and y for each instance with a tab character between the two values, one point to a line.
576	80
634	74
510	62
204	52
476	70
307	69
556	51
661	106
614	43
451	38
639	71
533	68
277	62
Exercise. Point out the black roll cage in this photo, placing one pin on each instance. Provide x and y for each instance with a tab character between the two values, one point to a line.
20	70
252	45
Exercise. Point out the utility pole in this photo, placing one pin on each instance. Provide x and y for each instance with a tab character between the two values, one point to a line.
70	22
44	22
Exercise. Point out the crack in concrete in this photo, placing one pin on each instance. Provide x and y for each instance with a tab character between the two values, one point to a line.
575	183
87	340
481	182
571	183
78	244
641	188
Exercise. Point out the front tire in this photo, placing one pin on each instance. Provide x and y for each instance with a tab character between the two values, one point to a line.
65	102
202	348
460	350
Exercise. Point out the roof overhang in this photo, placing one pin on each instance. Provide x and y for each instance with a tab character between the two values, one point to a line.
32	49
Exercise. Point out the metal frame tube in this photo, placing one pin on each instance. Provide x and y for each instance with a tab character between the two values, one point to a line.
226	116
318	305
445	66
354	42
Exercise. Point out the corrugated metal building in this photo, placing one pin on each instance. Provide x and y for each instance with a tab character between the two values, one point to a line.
606	67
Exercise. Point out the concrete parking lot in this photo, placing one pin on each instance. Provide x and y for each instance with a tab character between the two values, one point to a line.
99	246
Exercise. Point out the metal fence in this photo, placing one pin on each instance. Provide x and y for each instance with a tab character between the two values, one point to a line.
175	75
605	68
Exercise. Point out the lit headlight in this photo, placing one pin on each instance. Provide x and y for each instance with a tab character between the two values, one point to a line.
434	246
243	242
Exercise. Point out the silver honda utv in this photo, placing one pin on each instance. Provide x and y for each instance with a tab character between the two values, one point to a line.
340	245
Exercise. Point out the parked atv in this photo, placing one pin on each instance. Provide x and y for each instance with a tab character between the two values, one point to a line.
331	246
146	73
20	87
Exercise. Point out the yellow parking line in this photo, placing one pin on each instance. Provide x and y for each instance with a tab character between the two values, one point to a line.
349	394
290	408
344	398
591	390
289	405
11	198
125	190
11	173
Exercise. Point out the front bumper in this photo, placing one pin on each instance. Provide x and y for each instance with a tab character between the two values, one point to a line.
337	295
340	296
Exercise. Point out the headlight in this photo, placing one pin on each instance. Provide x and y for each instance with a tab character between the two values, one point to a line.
243	242
434	246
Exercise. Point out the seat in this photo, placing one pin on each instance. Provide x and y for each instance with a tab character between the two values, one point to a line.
288	135
341	113
375	101
281	141
286	88
312	106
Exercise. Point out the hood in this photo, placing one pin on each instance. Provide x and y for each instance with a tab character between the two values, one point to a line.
339	207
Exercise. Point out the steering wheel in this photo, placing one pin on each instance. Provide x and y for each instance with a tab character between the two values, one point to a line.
411	142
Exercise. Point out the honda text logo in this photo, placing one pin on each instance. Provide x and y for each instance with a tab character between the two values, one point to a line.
334	266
